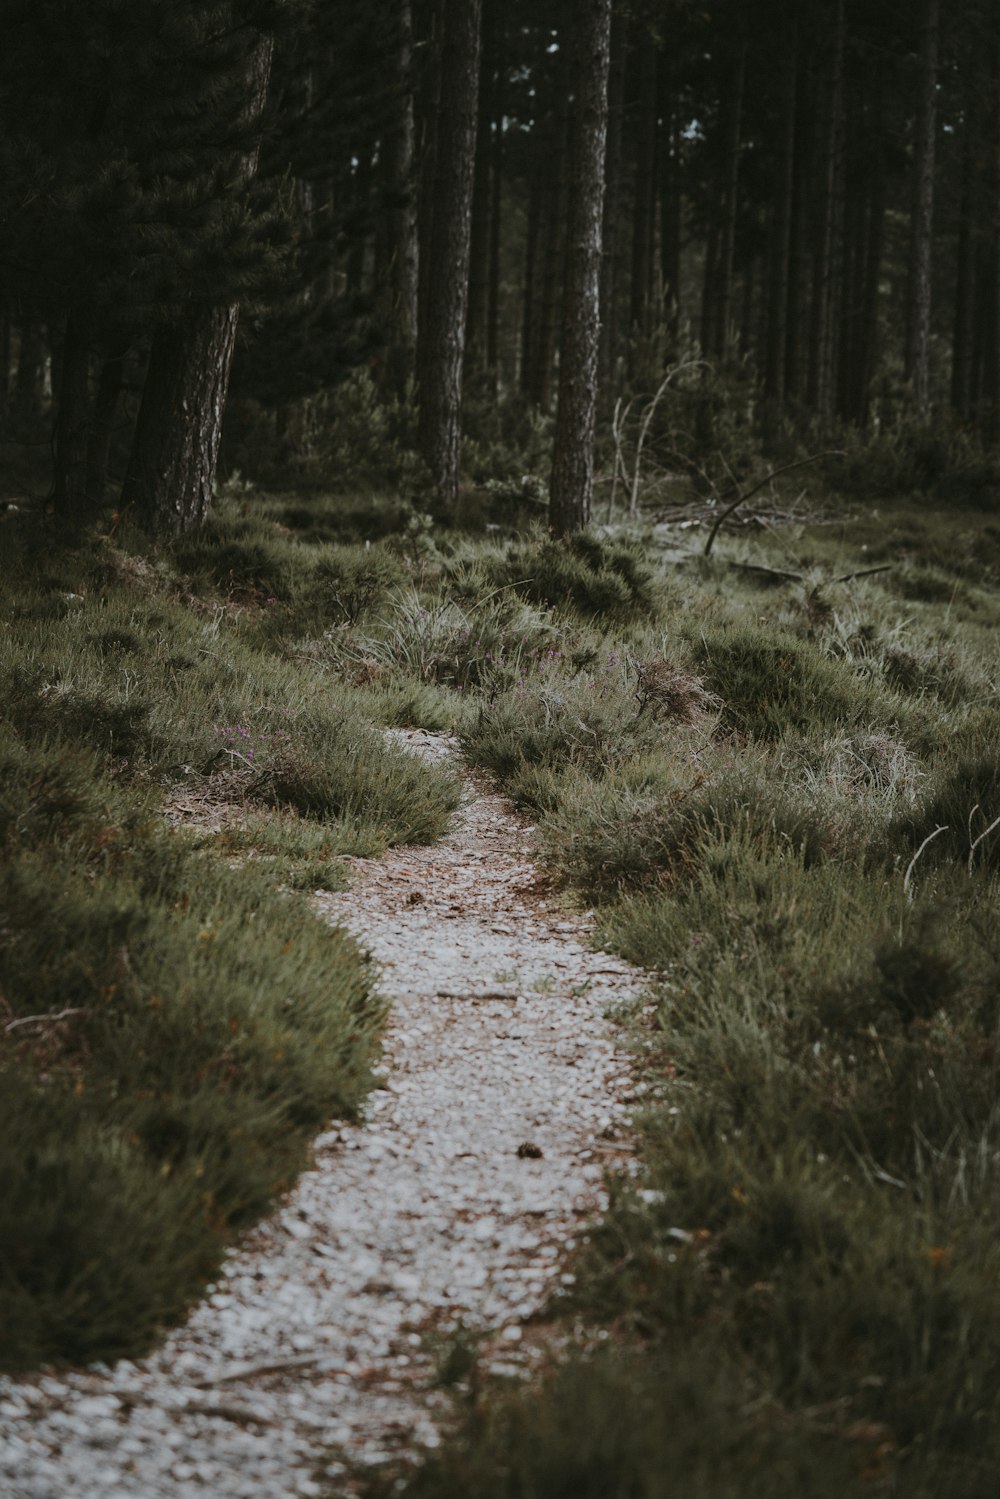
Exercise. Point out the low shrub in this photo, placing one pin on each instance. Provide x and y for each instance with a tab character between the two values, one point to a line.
174	1031
597	579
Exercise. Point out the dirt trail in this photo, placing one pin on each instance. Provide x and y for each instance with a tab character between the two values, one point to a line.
455	1202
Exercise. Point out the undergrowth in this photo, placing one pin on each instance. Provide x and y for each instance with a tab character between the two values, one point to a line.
175	1022
781	793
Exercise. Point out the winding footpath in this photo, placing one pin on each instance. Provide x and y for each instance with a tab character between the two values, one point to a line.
454	1204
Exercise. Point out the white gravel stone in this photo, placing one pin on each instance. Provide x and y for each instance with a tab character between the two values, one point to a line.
318	1338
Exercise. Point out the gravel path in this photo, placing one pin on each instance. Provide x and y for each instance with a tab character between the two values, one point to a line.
456	1202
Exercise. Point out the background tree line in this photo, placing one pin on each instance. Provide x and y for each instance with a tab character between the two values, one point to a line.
804	196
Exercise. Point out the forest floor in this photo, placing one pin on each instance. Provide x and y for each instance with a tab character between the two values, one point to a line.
423	1239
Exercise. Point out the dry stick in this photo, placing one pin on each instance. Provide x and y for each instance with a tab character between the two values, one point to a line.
865	572
913	862
647	417
12	1025
741	499
994	824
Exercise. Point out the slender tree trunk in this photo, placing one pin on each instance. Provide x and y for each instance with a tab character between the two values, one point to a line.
824	282
553	239
918	322
442	335
963	339
26	406
496	205
727	240
109	388
171	471
671	208
402	250
867	333
531	277
482	202
5	353
72	424
994	284
427	134
644	196
609	337
781	241
573	458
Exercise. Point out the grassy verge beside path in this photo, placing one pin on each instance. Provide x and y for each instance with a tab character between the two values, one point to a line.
779	793
175	1024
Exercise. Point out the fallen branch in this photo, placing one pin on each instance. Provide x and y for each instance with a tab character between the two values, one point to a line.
13	1025
866	572
741	499
771	572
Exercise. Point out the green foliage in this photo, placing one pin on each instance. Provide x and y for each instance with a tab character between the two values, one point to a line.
173	1028
174	1032
800	1296
597	579
769	683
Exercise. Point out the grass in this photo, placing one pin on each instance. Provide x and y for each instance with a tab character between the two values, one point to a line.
800	1300
175	1022
747	782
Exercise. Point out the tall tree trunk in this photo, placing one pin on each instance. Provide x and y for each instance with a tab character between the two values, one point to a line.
821	390
531	277
171	470
781	240
109	388
963	338
671	207
644	195
553	243
5	353
608	353
496	205
442	335
26	404
402	249
72	424
482	202
429	99
866	347
573	458
918	321
727	239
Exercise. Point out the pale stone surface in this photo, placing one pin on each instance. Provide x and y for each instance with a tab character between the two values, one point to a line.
456	1201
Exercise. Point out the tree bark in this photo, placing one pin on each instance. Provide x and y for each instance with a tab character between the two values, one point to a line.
671	210
727	240
109	388
644	197
482	203
171	471
496	166
26	402
822	340
573	458
918	322
399	145
781	240
441	342
608	353
552	234
963	337
72	425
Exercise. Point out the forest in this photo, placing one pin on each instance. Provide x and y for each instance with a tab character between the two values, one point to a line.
609	389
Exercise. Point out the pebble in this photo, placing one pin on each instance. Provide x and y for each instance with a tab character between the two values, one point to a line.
319	1339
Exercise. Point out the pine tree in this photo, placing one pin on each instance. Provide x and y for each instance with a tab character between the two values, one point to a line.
573	457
